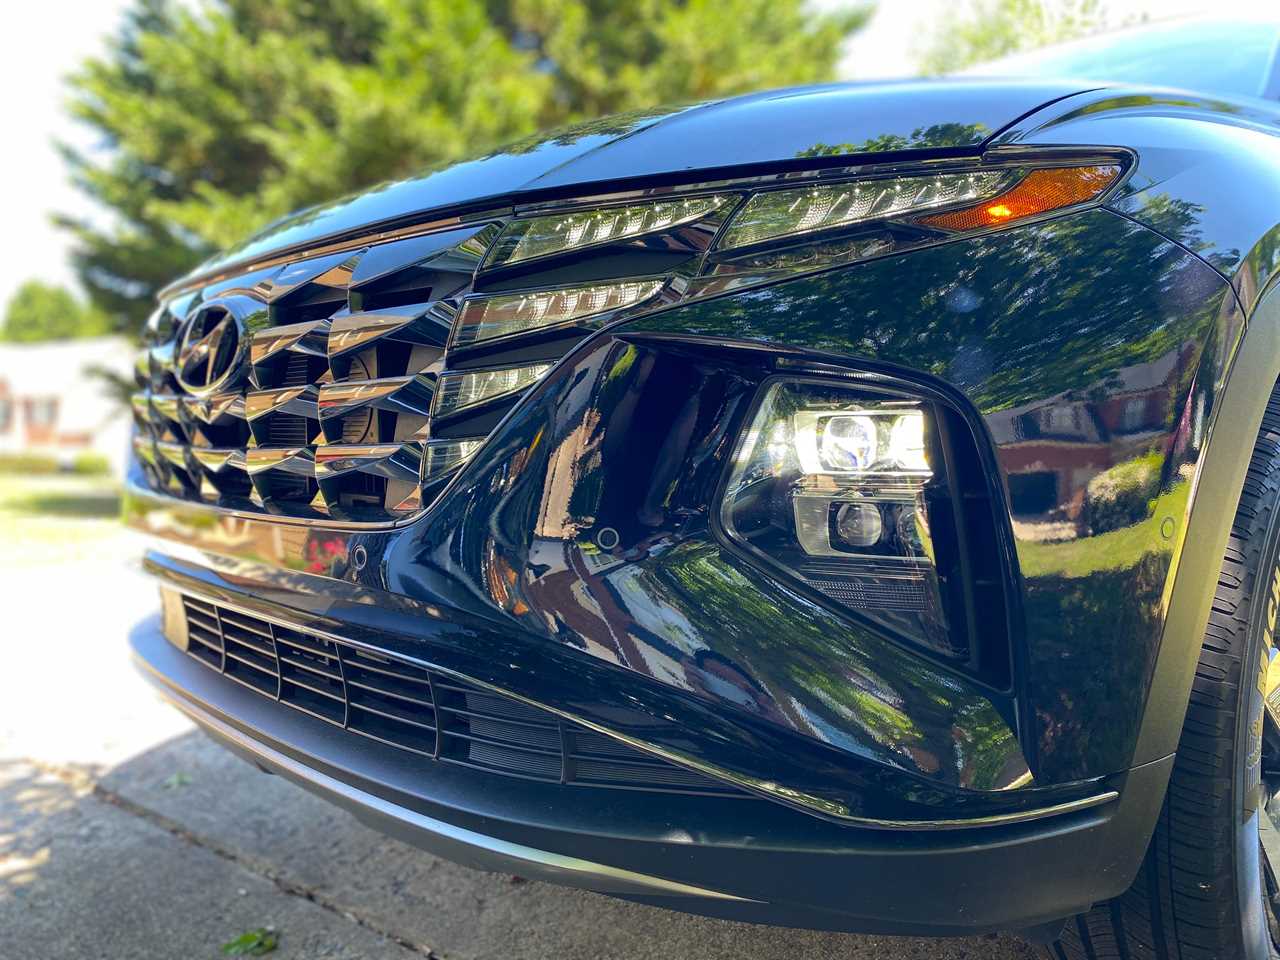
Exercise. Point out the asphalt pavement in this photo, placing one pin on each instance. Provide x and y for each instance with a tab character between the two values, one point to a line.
124	833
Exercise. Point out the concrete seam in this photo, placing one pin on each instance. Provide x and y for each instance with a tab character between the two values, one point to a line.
82	780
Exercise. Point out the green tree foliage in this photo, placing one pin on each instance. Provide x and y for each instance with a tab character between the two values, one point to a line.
982	30
41	311
219	116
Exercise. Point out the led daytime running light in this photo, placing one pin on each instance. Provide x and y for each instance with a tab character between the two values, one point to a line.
445	455
544	236
489	318
457	391
1038	192
782	213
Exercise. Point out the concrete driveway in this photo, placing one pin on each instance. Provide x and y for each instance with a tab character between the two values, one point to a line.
124	833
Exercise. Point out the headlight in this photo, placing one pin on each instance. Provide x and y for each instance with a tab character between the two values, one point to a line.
441	456
458	391
507	315
839	486
780	213
972	200
543	236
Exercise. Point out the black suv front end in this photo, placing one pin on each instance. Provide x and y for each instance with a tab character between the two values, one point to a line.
729	539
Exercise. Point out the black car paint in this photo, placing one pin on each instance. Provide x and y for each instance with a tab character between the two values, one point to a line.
1169	273
679	406
789	868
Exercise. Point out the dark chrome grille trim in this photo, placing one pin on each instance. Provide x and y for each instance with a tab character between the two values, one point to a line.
332	411
406	706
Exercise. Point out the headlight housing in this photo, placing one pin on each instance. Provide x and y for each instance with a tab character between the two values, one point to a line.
773	214
539	237
863	492
972	199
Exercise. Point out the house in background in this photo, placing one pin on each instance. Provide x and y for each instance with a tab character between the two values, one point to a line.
51	405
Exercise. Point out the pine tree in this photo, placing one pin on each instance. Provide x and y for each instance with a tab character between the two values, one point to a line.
219	117
41	311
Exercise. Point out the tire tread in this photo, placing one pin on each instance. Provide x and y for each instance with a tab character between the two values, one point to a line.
1182	904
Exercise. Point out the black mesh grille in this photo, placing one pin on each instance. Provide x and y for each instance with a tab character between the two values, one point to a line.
425	713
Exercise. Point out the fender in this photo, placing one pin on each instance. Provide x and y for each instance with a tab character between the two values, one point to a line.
1211	511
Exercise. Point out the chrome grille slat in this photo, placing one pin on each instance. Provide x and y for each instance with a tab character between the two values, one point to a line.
403	705
298	400
310	337
316	333
323	410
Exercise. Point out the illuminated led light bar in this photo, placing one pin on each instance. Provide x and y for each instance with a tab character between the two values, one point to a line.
1040	191
854	440
783	213
444	455
544	236
457	391
505	315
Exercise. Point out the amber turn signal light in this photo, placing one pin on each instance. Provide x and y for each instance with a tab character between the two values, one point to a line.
1038	192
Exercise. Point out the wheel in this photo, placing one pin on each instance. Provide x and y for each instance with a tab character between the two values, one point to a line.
1206	888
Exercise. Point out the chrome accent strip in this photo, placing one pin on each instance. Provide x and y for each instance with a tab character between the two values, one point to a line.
298	401
310	337
770	791
299	251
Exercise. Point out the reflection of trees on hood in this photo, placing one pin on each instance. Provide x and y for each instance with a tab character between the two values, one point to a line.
922	138
1078	298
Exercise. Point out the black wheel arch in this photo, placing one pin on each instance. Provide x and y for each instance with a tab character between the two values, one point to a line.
1233	430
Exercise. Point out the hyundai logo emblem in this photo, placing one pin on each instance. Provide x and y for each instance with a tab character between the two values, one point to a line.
210	350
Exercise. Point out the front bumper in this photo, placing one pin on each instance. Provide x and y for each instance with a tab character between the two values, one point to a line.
506	584
743	859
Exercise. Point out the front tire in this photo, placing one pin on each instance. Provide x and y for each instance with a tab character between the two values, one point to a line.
1205	887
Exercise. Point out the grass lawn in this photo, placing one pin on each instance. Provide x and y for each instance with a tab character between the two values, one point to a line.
1114	550
58	519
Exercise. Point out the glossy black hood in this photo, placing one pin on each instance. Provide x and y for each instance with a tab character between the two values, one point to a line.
800	125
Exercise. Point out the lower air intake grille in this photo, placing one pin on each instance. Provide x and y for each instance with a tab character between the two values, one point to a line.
421	711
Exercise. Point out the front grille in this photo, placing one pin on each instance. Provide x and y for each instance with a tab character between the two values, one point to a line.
421	711
320	407
326	411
